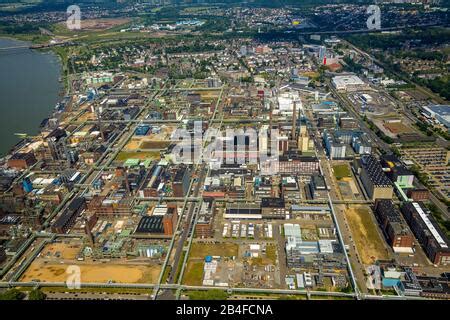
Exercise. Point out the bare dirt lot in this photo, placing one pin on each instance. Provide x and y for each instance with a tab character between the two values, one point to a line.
120	273
368	241
62	250
100	24
397	127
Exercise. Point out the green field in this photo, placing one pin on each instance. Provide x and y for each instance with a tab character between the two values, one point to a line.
201	250
144	155
341	171
194	273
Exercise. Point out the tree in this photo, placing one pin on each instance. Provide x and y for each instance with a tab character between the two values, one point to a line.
36	294
12	294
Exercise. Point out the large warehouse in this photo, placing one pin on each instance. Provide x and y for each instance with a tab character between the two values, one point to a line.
439	112
347	83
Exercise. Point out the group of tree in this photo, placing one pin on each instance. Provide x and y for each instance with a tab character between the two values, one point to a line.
15	294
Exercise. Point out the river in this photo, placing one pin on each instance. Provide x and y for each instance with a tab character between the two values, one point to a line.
29	90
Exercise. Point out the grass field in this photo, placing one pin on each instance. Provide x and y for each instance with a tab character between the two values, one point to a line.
144	155
194	273
341	171
365	234
271	253
201	250
156	144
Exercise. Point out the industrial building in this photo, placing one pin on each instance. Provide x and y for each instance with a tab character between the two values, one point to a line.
181	182
362	144
242	211
393	226
402	178
204	225
114	205
67	219
427	232
295	164
317	187
162	223
439	112
418	194
348	83
273	208
424	286
21	160
298	251
373	178
334	145
348	123
327	122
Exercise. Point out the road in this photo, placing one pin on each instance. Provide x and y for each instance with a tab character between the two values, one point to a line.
186	228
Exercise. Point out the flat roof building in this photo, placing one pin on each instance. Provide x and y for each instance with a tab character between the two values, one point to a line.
243	211
347	83
373	178
440	112
393	226
427	232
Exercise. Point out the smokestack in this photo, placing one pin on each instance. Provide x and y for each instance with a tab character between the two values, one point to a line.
294	121
99	118
270	115
127	184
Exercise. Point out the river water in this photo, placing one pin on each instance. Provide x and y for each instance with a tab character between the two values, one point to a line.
29	90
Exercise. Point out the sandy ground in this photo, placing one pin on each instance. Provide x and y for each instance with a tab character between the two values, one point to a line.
397	128
368	241
133	144
65	251
53	272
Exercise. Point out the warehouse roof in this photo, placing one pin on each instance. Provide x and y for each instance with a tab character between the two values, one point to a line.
152	224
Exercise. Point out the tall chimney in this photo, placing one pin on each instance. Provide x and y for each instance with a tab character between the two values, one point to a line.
99	118
127	183
294	121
